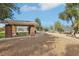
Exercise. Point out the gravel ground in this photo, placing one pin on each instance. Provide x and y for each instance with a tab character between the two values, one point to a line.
38	45
43	44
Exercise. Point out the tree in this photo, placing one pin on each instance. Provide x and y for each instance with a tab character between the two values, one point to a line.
38	21
58	26
71	13
76	27
7	9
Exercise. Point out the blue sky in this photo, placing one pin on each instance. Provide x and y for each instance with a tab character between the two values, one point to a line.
48	13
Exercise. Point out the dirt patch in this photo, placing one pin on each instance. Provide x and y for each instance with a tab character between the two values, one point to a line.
38	45
72	50
65	45
43	44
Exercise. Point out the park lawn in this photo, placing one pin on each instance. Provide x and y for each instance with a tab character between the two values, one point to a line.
2	34
19	34
22	33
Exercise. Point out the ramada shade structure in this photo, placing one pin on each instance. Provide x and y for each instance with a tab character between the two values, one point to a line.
19	23
10	27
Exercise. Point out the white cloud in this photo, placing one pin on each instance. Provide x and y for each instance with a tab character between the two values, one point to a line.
42	7
47	6
28	8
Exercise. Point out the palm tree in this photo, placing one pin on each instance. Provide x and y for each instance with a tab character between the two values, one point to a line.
7	9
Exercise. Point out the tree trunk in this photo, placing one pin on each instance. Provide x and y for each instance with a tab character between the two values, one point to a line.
75	31
72	22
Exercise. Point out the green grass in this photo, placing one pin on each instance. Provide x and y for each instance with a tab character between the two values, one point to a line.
2	34
22	34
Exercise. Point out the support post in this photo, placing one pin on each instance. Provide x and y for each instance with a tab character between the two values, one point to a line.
32	30
13	31
8	30
28	29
